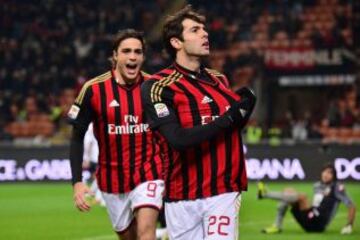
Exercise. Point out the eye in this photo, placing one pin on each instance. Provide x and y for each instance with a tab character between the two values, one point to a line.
139	51
125	50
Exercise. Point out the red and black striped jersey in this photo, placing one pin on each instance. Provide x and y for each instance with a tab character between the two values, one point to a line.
213	167
128	155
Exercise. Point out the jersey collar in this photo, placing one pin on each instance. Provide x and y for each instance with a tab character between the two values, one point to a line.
202	76
128	86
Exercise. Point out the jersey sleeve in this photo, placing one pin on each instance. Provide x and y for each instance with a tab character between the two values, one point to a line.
341	194
158	104
80	113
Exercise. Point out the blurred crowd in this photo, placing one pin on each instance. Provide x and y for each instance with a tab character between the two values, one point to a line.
50	48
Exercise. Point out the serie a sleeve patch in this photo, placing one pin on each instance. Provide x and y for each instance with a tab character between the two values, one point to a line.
73	112
161	110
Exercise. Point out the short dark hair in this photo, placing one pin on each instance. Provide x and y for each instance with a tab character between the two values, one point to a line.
173	26
332	168
123	35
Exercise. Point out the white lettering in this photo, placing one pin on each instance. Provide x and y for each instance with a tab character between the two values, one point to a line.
127	128
53	170
111	129
346	169
298	58
32	170
131	119
274	168
207	119
7	170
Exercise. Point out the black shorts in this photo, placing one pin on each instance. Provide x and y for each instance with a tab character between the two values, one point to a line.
309	219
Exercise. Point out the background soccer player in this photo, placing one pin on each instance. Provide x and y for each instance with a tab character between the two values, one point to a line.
91	154
328	193
129	164
201	120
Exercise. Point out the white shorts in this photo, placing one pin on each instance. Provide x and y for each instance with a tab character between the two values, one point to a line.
121	207
213	218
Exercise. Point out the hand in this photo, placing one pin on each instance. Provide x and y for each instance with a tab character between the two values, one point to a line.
237	112
347	229
240	111
80	192
248	95
245	92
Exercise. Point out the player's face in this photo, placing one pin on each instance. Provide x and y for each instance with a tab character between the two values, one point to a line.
196	39
129	58
327	175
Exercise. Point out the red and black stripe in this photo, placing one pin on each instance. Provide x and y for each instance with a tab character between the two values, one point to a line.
118	139
125	160
215	166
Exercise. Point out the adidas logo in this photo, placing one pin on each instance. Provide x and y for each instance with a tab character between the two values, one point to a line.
242	112
114	103
206	99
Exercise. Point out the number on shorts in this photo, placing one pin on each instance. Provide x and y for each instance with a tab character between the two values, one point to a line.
151	188
221	221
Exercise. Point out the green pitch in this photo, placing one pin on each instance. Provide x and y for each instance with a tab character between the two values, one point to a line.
46	211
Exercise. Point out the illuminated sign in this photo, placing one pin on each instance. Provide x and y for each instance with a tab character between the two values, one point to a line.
281	163
274	169
36	170
347	168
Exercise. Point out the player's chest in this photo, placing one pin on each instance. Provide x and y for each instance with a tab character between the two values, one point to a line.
201	104
121	107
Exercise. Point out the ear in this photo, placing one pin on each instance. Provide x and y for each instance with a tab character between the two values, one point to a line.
176	43
114	55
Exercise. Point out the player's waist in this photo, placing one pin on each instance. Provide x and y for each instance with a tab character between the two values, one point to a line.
175	198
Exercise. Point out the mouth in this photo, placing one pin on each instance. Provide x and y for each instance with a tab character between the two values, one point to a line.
206	44
131	68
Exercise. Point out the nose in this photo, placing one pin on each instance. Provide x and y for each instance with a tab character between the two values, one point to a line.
132	56
205	33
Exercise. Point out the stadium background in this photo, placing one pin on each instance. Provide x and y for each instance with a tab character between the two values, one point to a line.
301	57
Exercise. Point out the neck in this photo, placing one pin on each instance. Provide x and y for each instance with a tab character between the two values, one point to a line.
191	63
120	79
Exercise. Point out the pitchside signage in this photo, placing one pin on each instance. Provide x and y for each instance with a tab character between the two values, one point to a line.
309	67
302	162
299	162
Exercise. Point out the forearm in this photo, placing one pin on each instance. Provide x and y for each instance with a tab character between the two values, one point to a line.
181	138
76	154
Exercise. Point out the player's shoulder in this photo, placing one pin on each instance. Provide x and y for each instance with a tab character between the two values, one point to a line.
214	72
157	85
165	74
218	75
88	84
317	184
98	79
146	76
339	186
163	78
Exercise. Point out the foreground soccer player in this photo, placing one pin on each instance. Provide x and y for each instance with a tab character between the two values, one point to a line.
201	120
129	163
328	193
